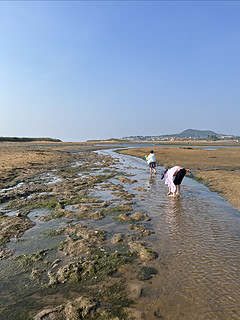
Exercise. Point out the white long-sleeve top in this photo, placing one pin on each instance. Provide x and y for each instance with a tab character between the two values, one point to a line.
151	158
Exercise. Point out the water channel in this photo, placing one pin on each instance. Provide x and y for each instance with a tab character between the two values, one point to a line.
197	237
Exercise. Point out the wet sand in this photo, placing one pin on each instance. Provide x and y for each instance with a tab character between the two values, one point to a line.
19	159
59	250
219	169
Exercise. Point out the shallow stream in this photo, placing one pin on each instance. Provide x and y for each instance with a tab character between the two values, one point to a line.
197	237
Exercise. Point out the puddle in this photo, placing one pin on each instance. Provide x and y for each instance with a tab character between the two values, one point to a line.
46	178
19	185
11	213
77	164
36	238
40	194
105	195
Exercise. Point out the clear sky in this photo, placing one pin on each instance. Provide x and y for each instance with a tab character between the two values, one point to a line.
79	70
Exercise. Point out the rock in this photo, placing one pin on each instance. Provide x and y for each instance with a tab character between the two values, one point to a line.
14	227
117	238
144	253
144	232
137	216
52	279
5	253
35	274
77	309
124	195
139	189
95	215
130	202
146	273
126	180
124	217
125	207
135	290
55	263
70	272
105	204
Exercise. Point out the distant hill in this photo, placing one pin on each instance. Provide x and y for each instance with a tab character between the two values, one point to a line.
16	139
192	133
187	134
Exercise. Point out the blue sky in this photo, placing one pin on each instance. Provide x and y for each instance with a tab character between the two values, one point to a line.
79	70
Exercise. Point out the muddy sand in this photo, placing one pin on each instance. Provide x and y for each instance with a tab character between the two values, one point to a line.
218	168
74	269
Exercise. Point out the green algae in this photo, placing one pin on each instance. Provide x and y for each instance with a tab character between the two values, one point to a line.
3	240
50	204
94	269
31	259
115	297
114	293
104	264
146	273
52	232
116	210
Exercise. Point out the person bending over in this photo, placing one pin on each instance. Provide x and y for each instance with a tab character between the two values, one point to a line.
173	178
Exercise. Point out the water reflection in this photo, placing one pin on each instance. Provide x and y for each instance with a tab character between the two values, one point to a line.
172	213
151	183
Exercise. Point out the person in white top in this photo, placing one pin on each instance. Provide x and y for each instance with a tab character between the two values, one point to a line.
151	159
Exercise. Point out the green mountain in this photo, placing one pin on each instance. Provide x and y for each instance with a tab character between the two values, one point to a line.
197	134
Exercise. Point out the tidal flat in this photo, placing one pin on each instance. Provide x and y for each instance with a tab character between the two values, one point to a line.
54	257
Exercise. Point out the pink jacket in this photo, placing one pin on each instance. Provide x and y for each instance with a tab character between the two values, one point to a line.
169	178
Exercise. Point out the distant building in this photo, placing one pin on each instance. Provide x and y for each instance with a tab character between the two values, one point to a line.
226	136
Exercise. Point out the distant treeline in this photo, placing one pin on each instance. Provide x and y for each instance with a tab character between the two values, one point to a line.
15	139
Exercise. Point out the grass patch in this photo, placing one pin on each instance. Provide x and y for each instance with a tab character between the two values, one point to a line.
199	179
